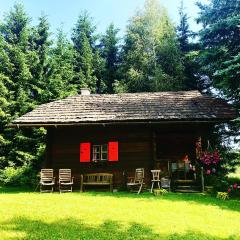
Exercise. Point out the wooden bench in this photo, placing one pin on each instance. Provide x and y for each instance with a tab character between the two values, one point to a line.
97	179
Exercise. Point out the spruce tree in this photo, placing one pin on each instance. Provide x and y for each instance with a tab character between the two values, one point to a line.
219	58
99	71
84	44
189	51
15	31
183	31
40	69
220	46
21	147
5	102
61	61
110	54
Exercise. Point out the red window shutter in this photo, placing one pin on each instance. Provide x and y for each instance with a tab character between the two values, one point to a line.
113	151
85	152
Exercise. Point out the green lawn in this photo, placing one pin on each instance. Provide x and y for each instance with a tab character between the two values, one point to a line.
236	174
27	215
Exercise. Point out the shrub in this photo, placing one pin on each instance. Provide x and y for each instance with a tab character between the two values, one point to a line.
219	183
18	176
233	189
233	180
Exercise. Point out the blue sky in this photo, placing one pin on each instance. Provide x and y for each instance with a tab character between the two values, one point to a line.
103	11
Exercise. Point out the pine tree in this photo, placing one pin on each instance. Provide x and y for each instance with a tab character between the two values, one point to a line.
110	53
40	68
220	39
15	31
61	62
21	147
5	101
190	52
219	58
99	71
151	55
84	44
183	31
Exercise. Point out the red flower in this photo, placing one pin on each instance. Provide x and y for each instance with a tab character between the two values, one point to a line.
235	185
229	190
208	171
210	159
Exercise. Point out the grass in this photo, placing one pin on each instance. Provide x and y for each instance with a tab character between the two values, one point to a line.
236	174
94	215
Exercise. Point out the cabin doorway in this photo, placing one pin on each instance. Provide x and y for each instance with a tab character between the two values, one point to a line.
182	170
175	152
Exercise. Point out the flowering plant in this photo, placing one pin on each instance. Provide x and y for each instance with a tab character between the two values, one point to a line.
210	161
233	187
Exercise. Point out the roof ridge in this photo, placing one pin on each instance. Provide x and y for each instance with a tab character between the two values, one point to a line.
141	93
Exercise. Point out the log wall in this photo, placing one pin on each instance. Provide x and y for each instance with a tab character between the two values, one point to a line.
146	146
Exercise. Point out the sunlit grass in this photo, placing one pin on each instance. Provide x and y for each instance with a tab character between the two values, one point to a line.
26	215
236	174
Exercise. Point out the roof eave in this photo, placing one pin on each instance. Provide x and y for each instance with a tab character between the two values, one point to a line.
39	124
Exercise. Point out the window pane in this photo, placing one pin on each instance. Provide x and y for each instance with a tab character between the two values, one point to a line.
104	148
96	148
96	152
96	156
104	156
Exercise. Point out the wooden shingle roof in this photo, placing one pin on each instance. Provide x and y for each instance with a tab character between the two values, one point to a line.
137	107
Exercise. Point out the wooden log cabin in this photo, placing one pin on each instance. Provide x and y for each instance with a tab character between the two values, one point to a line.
117	133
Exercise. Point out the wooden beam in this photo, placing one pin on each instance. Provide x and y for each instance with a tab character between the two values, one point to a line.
113	123
154	148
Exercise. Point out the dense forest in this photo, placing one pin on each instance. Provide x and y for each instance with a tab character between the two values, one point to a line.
153	55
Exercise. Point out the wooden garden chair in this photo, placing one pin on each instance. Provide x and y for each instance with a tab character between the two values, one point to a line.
47	180
65	180
155	178
138	181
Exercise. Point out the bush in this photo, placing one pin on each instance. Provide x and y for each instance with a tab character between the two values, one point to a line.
18	176
224	184
233	189
233	180
219	183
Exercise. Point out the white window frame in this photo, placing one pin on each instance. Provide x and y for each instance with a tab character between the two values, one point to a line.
98	149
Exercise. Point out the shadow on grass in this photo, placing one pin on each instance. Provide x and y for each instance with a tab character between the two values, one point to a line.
68	229
233	205
203	199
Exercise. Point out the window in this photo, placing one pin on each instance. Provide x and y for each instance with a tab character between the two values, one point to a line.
100	152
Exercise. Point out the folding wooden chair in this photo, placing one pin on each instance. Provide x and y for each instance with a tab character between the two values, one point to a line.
47	179
138	181
65	180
